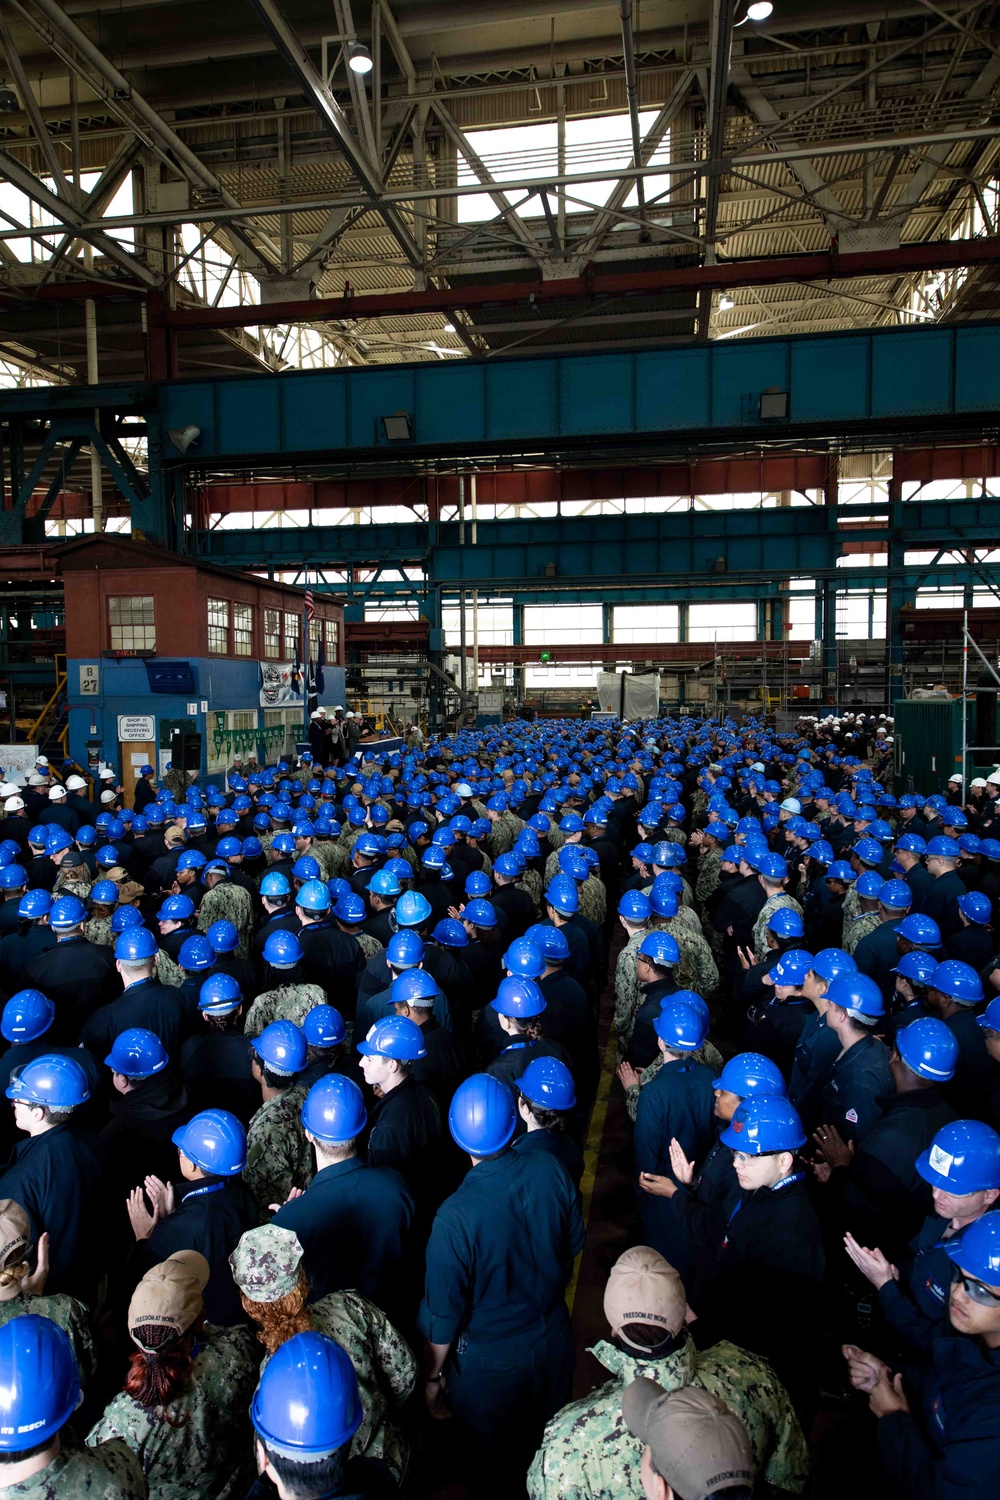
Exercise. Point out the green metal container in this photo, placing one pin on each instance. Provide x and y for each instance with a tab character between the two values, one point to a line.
928	743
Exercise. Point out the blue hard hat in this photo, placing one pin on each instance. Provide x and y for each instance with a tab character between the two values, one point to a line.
196	952
762	1124
215	1141
223	936
39	1382
970	843
176	909
510	866
990	1018
869	851
104	892
450	933
548	1083
383	883
306	867
313	896
125	916
413	985
483	1116
869	884
57	839
307	1404
524	958
282	1048
334	1110
895	895
964	1157
840	870
772	867
275	885
35	904
518	997
661	948
405	949
680	1026
561	895
911	843
229	846
282	843
137	1053
976	1251
13	877
943	846
786	922
323	1026
635	907
857	994
220	995
976	906
27	1016
663	898
350	909
551	942
394	1036
920	930
253	849
54	1079
791	968
928	1048
478	883
480	913
750	1073
192	859
957	980
67	912
916	966
282	950
412	909
136	945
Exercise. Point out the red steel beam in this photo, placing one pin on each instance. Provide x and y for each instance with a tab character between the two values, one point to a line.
827	265
673	651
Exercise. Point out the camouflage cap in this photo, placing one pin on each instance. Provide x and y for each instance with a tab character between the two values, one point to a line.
265	1263
15	1232
644	1288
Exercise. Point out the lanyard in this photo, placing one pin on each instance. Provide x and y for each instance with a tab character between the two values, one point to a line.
792	1177
213	1187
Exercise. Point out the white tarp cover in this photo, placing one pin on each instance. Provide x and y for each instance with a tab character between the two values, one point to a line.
642	694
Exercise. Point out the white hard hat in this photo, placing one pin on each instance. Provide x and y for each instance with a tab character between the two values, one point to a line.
41	760
978	781
107	775
463	789
9	789
350	714
13	805
76	784
34	780
56	793
107	796
957	777
338	708
792	805
993	779
316	714
890	740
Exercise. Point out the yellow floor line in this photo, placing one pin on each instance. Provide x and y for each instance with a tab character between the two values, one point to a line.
592	1150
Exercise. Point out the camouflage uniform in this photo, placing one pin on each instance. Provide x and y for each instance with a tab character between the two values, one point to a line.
627	997
98	931
588	1452
291	1002
278	1155
167	972
771	905
266	839
108	1472
685	896
852	906
556	838
177	784
330	857
386	1371
593	900
552	866
231	903
708	1053
861	925
531	882
676	836
71	1316
504	833
67	886
369	945
697	969
210	1457
709	869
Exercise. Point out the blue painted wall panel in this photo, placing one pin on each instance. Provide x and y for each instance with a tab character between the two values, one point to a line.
672	390
452	397
313	413
189	402
739	373
373	394
595	394
249	416
911	372
829	379
977	369
521	398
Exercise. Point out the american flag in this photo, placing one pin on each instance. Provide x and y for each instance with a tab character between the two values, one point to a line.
310	607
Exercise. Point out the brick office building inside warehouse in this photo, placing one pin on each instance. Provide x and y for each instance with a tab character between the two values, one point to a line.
156	643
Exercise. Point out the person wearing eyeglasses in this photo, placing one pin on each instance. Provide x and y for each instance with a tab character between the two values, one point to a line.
939	1426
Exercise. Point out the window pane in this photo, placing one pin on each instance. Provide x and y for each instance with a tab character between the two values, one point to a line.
292	635
130	619
332	639
242	635
218	627
272	634
646	623
563	624
722	622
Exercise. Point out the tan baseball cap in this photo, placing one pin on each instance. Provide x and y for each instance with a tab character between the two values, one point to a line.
644	1288
168	1299
695	1442
15	1232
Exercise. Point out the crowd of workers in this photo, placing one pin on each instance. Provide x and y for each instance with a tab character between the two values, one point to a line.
302	1068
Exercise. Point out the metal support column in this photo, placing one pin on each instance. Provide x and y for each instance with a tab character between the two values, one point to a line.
829	638
895	597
